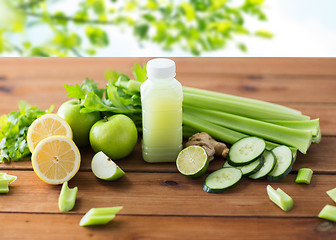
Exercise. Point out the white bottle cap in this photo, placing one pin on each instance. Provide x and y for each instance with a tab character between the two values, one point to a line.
161	68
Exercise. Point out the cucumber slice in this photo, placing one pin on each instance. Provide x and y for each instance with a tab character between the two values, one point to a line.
222	179
246	150
284	163
250	168
269	164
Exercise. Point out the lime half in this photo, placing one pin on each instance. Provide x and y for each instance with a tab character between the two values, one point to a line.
192	161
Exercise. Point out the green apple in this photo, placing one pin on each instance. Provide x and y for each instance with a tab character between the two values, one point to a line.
80	123
116	136
104	168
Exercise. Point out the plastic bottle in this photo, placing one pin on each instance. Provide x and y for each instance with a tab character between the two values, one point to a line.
161	97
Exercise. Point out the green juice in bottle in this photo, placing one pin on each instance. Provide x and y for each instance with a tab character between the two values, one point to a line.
161	98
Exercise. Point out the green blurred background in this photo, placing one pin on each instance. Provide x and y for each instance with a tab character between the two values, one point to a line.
83	27
167	28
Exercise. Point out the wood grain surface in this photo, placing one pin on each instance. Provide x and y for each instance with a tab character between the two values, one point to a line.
160	203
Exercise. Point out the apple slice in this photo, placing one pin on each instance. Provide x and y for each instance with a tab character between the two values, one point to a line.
104	168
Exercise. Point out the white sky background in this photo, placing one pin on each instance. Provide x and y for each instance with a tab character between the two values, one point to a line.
301	28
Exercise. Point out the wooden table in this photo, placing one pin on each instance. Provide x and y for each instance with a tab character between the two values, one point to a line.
159	202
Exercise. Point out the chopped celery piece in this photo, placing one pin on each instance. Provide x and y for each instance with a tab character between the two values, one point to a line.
5	180
332	194
263	104
6	176
67	198
280	198
300	139
4	185
328	212
308	125
99	216
238	108
304	175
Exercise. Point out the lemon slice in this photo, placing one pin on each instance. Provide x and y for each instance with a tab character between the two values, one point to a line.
56	159
192	161
45	126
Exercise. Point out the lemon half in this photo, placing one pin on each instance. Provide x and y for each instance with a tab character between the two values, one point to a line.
56	159
45	126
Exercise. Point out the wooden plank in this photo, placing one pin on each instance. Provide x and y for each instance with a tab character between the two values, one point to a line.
273	89
168	194
264	66
60	226
320	157
251	66
268	88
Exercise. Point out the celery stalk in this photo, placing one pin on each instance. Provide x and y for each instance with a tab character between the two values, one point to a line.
328	212
332	194
220	133
317	138
297	138
188	131
249	101
304	175
308	125
99	216
223	134
4	185
280	198
239	108
67	198
135	86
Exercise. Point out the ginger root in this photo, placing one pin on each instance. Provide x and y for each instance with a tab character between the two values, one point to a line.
210	145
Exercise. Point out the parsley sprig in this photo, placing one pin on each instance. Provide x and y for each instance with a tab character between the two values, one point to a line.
13	131
120	95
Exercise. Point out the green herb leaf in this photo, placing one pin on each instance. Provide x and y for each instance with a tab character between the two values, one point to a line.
74	91
13	131
139	72
122	94
90	86
113	96
94	103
